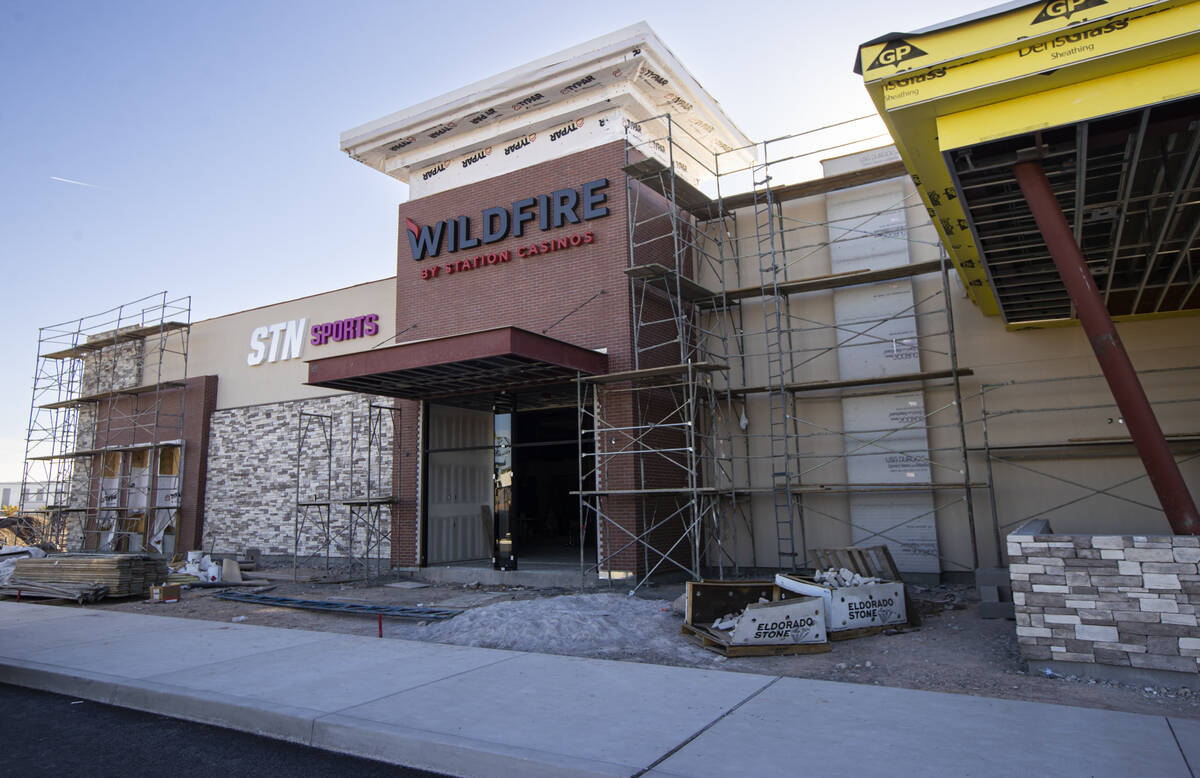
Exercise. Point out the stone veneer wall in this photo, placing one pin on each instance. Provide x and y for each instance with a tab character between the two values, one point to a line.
1127	601
251	488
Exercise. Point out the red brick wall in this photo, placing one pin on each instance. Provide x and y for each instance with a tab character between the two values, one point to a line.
528	292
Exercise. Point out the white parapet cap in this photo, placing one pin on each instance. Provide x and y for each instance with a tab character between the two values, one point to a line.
630	70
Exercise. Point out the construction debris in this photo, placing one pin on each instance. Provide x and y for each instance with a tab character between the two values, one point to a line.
844	577
79	592
399	612
750	618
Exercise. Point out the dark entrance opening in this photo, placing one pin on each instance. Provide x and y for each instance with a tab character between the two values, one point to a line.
545	472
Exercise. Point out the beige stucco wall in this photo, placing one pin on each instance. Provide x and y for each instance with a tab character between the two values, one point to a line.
1025	487
221	345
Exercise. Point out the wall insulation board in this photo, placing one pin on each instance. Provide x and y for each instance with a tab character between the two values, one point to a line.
1012	53
884	434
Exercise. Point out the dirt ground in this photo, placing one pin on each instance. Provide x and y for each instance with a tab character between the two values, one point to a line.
954	650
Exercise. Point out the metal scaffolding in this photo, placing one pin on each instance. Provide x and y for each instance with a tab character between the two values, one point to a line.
1022	458
717	413
372	488
355	528
104	444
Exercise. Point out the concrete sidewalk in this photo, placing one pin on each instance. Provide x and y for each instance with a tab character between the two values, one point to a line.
476	711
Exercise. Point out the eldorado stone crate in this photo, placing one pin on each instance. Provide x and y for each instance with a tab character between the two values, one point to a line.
852	607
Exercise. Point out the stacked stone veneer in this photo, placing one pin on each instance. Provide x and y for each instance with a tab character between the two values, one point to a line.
250	499
1121	600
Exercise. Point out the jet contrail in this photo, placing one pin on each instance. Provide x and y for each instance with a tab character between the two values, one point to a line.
76	183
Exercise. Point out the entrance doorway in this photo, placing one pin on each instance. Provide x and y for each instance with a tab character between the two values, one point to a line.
526	462
545	473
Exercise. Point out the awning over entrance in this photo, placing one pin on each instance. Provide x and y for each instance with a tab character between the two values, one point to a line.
506	359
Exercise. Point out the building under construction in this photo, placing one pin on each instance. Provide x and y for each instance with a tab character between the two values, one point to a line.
625	338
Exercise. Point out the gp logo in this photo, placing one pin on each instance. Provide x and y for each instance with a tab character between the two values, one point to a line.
1065	9
894	53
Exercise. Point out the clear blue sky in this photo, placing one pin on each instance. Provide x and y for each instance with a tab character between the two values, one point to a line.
207	133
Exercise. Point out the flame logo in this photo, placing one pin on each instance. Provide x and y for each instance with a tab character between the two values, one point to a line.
412	226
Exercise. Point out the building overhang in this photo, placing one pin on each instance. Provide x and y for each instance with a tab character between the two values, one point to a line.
1107	94
630	69
501	360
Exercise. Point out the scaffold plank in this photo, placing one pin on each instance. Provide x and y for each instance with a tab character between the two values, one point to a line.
838	280
668	280
654	372
137	333
820	186
655	175
133	390
815	386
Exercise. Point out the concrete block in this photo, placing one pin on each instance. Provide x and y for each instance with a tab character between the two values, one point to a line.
1191	644
1014	550
1179	618
1077	604
1096	633
1160	605
1186	541
1161	644
1138	616
1055	580
1037	632
1048	561
1110	656
1056	619
1039	569
1079	579
1112	554
1161	581
1129	568
1050	589
1111	541
1178	568
1180	664
1018	598
1149	555
1127	648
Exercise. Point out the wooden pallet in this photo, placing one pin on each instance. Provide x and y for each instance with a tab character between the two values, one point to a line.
873	561
719	644
861	632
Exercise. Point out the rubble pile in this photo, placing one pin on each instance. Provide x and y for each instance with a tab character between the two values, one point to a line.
844	577
729	620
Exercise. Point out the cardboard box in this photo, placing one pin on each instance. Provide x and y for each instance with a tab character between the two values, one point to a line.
852	607
165	593
799	620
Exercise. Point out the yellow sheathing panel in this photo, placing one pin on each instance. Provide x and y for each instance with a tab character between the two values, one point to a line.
1069	104
916	52
1043	324
1118	34
1020	71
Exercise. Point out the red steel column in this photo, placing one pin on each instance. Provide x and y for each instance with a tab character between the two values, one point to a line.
1110	352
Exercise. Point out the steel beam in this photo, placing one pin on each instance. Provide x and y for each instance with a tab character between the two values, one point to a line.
1114	361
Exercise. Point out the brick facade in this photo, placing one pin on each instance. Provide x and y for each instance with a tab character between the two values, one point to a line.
1122	600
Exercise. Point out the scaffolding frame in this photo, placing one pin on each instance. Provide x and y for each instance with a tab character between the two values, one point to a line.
681	417
1018	455
371	504
358	524
103	390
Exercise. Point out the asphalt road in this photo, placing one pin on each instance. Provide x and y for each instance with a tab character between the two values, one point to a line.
43	734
